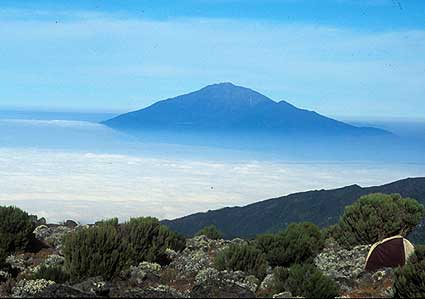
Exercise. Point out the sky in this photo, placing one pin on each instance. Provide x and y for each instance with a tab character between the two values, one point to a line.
351	58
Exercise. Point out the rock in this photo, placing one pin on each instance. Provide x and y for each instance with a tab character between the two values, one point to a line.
18	262
283	295
267	283
171	254
160	291
71	224
143	272
343	265
41	221
198	255
252	282
29	288
211	283
53	235
94	285
63	291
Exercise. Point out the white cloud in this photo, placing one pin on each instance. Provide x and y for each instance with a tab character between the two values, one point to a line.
87	186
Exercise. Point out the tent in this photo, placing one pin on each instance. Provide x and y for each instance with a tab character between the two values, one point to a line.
391	252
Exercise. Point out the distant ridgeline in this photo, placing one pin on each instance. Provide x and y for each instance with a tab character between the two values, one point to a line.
225	107
323	207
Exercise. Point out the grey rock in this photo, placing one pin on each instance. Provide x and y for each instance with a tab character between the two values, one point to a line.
267	283
63	291
283	295
211	283
343	265
52	235
94	285
71	224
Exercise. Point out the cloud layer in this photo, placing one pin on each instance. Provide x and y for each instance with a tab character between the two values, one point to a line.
87	187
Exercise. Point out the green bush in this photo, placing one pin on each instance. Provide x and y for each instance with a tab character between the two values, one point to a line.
147	240
16	230
409	280
211	232
299	243
108	247
375	217
54	273
246	258
95	251
304	281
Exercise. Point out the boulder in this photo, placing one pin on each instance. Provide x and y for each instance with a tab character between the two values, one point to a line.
52	235
63	291
160	291
71	224
283	295
345	266
198	255
211	283
144	272
94	285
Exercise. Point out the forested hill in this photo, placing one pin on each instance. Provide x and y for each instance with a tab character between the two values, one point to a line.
322	207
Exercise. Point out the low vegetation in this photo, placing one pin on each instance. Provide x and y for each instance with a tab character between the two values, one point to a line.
245	258
304	281
16	231
298	244
54	273
375	217
138	248
211	232
410	279
108	247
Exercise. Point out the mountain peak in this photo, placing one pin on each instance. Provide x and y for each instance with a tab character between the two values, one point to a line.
229	94
228	107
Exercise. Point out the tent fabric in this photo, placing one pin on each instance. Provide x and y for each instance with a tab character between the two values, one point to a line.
391	252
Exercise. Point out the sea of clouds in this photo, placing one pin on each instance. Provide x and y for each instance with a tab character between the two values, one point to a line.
88	186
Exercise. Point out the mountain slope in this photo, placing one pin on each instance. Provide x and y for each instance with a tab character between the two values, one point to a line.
322	207
226	107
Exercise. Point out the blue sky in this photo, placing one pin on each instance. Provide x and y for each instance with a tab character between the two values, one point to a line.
338	57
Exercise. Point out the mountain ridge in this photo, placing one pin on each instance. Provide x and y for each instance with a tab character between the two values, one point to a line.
322	207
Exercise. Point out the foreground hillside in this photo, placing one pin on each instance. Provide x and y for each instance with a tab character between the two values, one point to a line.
322	207
142	258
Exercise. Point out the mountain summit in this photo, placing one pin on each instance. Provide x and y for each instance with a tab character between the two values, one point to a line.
225	107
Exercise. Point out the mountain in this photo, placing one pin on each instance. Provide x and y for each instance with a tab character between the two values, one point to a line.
322	207
225	107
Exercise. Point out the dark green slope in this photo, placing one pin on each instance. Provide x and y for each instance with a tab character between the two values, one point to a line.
322	207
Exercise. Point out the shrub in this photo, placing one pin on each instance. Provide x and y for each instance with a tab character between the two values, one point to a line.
410	279
16	230
107	248
211	232
375	217
54	273
305	281
148	240
246	258
95	251
299	243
